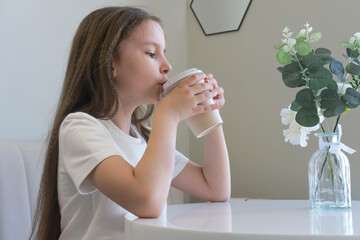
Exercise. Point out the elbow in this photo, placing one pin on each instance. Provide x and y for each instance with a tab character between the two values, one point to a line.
149	212
150	207
220	199
222	196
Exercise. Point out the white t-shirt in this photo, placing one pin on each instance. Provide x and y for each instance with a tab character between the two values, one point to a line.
84	142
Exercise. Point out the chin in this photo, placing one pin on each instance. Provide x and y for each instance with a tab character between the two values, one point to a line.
154	100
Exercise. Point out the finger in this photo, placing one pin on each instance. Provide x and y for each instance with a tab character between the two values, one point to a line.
201	87
193	79
209	75
219	91
210	79
205	108
203	97
219	102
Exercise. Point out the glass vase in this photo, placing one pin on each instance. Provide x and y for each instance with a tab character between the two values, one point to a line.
329	175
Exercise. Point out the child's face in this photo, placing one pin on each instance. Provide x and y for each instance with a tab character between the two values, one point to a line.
141	68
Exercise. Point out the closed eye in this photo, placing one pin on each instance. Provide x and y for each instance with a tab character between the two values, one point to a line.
151	54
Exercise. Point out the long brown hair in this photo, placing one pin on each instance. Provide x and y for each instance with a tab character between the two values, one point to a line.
88	87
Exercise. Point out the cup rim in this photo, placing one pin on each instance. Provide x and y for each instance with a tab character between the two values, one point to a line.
174	81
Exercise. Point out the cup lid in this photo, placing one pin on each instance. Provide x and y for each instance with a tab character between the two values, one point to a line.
174	81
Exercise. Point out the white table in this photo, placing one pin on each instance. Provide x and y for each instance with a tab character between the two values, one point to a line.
250	220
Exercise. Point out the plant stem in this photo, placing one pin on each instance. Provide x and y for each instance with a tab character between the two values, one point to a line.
304	77
331	173
337	121
322	128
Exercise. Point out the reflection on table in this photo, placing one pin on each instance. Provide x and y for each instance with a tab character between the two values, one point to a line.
251	220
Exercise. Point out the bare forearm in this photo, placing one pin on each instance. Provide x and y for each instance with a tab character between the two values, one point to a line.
155	169
216	168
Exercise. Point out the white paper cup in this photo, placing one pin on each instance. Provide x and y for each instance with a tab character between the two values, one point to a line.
200	124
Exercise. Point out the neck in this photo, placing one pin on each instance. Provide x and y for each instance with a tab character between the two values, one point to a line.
122	118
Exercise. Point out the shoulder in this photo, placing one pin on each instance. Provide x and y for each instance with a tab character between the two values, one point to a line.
81	123
80	116
79	119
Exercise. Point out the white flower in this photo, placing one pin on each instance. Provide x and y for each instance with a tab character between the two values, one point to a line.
287	116
352	40
342	88
302	32
286	30
357	35
308	28
291	42
287	35
286	48
355	38
297	134
321	116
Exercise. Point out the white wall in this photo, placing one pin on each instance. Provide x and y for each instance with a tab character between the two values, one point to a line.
35	42
262	164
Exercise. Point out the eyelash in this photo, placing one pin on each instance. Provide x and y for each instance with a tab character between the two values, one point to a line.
151	54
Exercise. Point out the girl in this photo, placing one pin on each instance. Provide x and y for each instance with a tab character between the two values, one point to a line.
102	161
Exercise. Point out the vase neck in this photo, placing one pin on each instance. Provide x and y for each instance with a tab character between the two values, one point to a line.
326	139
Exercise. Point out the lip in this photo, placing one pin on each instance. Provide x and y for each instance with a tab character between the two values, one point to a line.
163	82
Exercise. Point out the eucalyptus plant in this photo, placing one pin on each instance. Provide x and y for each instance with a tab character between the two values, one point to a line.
315	71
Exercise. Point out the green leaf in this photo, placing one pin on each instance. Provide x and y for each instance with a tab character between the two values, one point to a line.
315	37
347	45
320	77
307	116
283	57
331	101
326	59
333	85
324	55
352	68
278	47
291	75
337	68
352	53
311	60
335	111
351	98
305	98
295	106
302	48
322	51
329	98
280	69
300	38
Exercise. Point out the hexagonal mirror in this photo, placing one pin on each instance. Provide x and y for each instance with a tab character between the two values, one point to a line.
219	16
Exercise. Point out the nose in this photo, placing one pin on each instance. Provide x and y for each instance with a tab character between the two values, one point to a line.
165	67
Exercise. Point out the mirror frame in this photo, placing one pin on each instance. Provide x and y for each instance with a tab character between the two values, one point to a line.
209	34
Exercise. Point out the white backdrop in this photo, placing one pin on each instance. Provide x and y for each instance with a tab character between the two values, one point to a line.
35	42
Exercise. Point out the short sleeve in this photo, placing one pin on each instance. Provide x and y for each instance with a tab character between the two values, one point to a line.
180	163
83	143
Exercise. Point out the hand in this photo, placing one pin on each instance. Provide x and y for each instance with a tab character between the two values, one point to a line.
184	100
217	91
